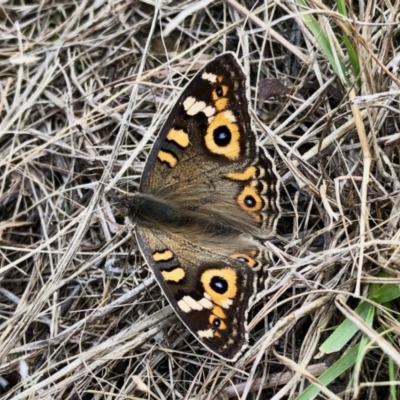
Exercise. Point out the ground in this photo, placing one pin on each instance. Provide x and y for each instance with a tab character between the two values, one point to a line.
84	90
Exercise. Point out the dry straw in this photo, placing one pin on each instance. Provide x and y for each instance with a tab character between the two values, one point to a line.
84	89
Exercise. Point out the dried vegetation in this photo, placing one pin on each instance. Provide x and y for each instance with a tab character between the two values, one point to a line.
84	88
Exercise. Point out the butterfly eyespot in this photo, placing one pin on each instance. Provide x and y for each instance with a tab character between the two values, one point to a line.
217	322
250	201
222	136
218	284
248	260
219	91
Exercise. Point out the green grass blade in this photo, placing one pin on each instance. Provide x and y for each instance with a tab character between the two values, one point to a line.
346	330
336	369
315	27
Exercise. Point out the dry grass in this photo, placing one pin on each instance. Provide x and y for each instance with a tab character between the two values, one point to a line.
84	88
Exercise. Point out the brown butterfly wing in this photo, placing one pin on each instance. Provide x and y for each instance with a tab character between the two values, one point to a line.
210	293
206	169
208	132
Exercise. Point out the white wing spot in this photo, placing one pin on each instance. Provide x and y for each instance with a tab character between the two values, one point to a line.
192	106
183	306
226	303
206	303
209	111
189	101
187	304
209	77
207	333
229	115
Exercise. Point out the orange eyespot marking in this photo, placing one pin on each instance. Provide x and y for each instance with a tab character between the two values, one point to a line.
167	158
245	258
223	325
223	136
249	200
166	255
175	275
179	136
217	322
219	91
220	285
219	312
243	176
221	104
219	97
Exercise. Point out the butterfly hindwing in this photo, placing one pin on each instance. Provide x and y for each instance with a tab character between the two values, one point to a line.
210	293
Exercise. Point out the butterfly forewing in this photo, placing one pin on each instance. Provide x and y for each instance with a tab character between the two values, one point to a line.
208	132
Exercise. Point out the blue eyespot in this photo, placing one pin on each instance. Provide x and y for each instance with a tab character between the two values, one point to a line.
219	91
222	136
218	284
250	201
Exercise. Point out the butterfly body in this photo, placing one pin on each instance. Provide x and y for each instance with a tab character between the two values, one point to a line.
171	216
207	197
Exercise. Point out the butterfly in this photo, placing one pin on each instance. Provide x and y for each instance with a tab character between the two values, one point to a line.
208	197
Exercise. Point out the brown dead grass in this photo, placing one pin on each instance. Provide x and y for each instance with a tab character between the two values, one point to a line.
84	88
